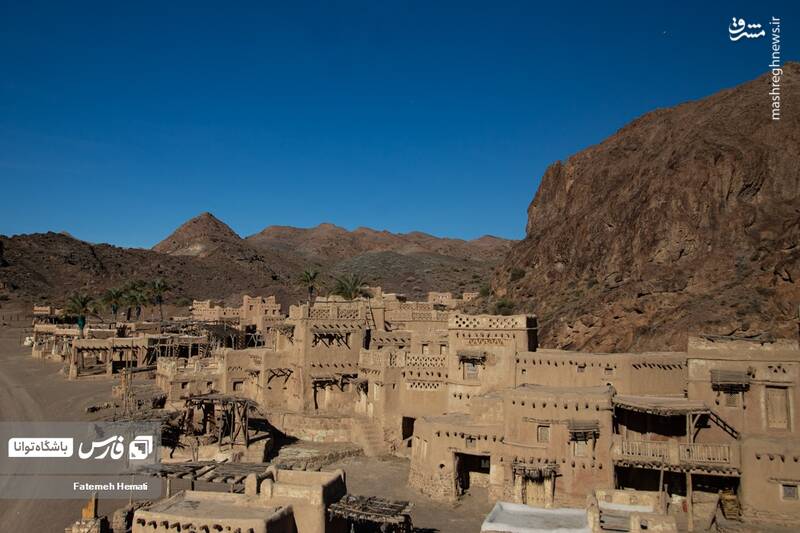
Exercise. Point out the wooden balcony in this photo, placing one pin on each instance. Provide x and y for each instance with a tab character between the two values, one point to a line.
673	455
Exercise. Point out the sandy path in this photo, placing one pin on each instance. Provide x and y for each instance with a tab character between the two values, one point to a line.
33	390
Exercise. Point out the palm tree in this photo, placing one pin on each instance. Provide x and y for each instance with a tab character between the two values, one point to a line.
114	298
309	280
135	298
80	306
157	289
350	286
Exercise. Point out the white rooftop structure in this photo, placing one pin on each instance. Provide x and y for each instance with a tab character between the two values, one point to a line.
508	517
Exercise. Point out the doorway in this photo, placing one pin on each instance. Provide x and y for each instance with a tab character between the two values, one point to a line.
471	469
407	430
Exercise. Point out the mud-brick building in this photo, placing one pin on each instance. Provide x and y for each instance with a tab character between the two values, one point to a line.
409	374
650	373
555	433
753	385
315	362
275	501
678	447
183	378
536	445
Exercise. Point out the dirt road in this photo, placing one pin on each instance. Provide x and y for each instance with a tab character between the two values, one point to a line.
33	390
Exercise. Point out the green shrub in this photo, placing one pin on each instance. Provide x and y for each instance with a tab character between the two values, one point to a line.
503	306
517	274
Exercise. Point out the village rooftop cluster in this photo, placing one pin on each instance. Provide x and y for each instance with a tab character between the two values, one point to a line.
660	441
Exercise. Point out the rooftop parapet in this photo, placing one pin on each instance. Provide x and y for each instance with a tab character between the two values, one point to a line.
512	322
329	310
762	348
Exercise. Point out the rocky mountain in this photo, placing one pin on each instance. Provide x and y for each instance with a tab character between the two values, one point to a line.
207	237
199	237
412	263
686	220
205	258
329	243
46	267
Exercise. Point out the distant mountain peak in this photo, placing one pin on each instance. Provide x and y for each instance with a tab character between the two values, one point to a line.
198	236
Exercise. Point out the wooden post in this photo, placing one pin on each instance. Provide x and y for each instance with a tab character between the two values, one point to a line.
169	487
246	429
689	505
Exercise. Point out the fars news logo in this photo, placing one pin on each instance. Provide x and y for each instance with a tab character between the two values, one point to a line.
113	448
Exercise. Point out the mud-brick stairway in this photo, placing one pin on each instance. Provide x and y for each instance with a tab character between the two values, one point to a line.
368	433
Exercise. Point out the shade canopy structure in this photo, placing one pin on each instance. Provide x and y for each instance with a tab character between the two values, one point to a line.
471	356
660	405
380	514
730	380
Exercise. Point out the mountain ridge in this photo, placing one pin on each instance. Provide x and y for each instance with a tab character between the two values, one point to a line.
686	220
206	258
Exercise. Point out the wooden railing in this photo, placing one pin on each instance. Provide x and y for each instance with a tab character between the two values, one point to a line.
705	453
675	453
642	449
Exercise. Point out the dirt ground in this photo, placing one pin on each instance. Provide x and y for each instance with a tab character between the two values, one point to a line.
33	390
387	478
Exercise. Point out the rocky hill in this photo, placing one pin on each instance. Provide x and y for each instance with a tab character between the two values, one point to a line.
326	243
46	267
199	237
204	258
412	263
686	220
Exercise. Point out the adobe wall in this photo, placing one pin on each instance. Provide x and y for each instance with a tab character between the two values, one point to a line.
313	427
180	379
650	374
308	494
498	338
280	382
747	409
768	464
241	370
581	466
435	443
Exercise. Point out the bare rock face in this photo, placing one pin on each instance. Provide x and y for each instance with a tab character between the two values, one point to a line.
686	220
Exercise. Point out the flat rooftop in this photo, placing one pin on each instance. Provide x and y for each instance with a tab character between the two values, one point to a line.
194	505
518	518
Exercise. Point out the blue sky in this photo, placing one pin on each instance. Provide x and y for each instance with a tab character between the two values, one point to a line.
120	120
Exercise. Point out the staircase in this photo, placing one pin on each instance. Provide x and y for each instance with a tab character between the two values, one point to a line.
729	502
729	429
369	435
